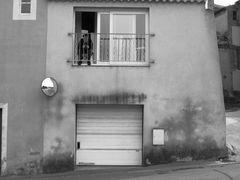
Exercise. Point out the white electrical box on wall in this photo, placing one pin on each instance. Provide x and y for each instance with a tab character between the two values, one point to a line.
158	136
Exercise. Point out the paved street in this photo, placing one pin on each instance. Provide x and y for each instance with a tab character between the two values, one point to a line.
179	171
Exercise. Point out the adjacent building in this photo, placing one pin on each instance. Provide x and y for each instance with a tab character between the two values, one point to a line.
138	82
228	32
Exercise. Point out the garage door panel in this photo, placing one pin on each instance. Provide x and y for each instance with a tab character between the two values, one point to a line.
109	130
99	122
110	142
109	134
110	107
110	157
112	113
110	126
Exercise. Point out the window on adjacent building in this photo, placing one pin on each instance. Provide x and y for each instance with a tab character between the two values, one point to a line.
24	9
234	15
115	37
25	6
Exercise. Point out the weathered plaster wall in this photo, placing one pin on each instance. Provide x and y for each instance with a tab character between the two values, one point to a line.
236	80
22	68
230	72
232	22
226	61
222	22
181	91
228	55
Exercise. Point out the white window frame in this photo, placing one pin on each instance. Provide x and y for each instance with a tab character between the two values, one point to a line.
111	13
4	107
18	15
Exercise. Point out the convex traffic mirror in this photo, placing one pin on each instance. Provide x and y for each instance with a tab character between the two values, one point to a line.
49	86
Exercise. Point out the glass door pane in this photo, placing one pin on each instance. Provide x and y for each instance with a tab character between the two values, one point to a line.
123	23
123	38
103	37
140	38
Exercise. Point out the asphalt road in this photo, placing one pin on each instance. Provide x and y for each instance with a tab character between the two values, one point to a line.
220	172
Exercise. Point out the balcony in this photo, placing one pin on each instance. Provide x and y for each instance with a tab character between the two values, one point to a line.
110	49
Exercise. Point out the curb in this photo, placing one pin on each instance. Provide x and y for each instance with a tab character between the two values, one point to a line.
162	169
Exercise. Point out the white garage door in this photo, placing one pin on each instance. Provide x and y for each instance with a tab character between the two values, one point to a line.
109	135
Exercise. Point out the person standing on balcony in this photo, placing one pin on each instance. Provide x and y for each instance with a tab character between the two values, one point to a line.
85	49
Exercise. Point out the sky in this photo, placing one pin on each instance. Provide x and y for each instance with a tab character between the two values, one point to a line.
225	2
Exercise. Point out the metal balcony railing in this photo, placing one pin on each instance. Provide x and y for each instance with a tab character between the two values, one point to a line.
96	48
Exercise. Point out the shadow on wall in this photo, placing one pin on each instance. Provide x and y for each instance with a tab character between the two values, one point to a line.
189	135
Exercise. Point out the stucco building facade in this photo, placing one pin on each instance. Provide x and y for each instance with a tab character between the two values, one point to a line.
228	30
149	92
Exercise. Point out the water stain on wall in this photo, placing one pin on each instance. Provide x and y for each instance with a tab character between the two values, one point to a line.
111	98
32	165
29	168
58	146
187	135
58	160
54	106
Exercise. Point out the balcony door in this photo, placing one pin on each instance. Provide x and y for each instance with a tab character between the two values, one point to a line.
123	38
120	37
